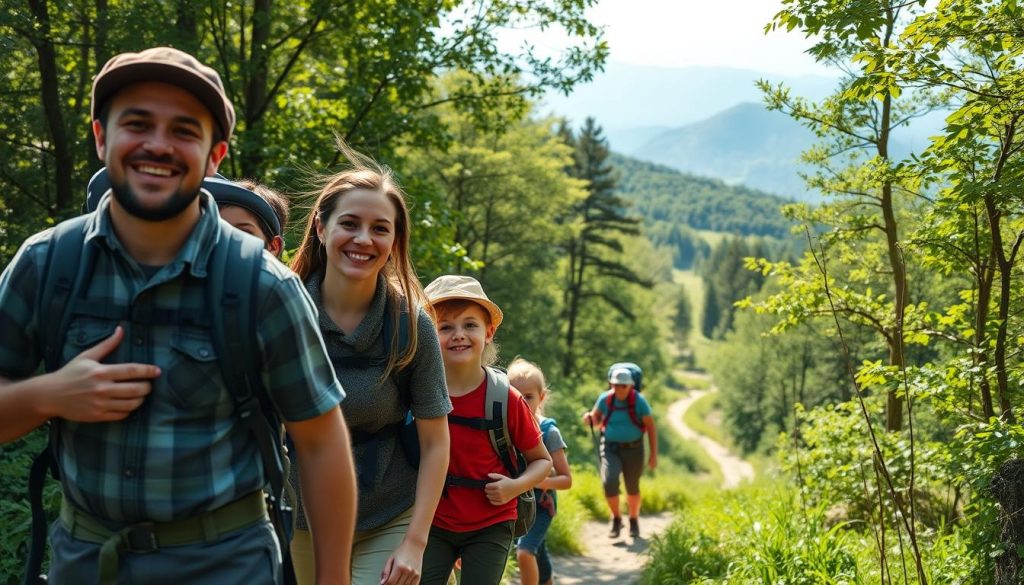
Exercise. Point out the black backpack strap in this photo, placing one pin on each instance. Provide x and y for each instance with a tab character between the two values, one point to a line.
67	266
232	284
496	407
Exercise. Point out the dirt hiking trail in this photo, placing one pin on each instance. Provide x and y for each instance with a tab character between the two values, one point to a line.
621	560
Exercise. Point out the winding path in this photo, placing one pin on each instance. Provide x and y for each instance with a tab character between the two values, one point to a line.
621	561
734	469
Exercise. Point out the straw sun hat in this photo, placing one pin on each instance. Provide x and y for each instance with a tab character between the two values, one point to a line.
452	287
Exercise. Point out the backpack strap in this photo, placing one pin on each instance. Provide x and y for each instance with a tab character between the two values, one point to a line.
497	399
630	408
67	266
495	422
232	284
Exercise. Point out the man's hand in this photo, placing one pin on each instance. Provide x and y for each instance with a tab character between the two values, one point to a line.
652	461
588	418
86	390
501	490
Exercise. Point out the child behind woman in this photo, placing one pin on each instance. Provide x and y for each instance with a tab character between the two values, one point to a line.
476	523
529	380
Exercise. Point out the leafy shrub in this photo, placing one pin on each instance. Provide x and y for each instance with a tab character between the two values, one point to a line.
15	515
684	554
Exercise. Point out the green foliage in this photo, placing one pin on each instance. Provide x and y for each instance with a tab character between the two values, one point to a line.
296	72
668	199
15	462
757	534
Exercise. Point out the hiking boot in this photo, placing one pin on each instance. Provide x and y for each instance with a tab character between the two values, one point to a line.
616	527
634	528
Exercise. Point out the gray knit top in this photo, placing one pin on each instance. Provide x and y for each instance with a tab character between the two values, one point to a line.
370	405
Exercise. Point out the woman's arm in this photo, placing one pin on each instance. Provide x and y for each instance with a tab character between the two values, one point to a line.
561	479
407	560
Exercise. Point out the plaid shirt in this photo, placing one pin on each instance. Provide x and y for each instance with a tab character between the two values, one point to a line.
184	451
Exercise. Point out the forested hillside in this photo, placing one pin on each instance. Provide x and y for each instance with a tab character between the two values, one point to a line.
662	194
673	205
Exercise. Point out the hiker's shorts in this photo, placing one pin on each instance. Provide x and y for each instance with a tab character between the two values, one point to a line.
626	459
247	555
370	550
532	540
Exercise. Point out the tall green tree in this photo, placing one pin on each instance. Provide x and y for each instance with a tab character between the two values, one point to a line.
594	248
856	164
499	194
296	72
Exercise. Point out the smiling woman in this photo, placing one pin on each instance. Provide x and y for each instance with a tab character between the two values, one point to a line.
354	259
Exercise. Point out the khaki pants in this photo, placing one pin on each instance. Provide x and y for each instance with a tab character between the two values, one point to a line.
370	550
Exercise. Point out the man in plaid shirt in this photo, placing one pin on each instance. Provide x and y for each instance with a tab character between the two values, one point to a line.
149	438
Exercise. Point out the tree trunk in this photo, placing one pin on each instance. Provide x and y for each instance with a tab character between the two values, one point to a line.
1007	488
251	157
980	354
894	404
50	85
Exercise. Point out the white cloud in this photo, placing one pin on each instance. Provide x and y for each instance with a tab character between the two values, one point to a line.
686	33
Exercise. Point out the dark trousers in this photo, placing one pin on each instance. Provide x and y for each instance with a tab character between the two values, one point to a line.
484	553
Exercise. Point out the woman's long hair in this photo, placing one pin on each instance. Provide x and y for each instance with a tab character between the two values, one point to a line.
403	287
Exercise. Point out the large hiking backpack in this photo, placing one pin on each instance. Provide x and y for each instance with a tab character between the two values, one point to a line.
638	378
231	288
495	422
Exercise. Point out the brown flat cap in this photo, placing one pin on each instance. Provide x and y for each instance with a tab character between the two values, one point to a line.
167	65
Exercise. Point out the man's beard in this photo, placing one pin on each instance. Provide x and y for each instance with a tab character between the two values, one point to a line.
132	203
174	205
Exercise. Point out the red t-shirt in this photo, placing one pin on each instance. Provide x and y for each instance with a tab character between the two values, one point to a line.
464	509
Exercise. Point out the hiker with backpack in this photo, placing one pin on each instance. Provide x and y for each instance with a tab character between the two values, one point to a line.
624	417
136	313
249	215
497	456
528	378
355	261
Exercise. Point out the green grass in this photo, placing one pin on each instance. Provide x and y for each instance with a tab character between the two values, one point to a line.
697	415
763	532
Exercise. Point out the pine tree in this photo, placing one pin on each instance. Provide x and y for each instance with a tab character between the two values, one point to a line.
594	247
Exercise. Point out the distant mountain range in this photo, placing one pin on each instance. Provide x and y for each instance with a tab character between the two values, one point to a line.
744	145
710	122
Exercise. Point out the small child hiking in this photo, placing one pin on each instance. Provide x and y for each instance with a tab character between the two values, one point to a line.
624	416
477	514
534	564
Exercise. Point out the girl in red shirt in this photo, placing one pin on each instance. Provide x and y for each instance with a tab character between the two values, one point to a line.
476	523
